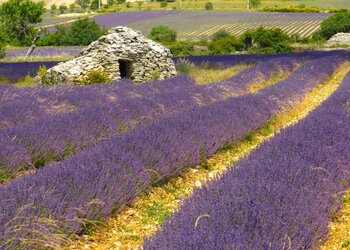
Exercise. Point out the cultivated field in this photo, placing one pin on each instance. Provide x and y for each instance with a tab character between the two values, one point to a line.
202	24
74	156
223	4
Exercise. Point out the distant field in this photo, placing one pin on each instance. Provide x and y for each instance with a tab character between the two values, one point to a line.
224	4
202	24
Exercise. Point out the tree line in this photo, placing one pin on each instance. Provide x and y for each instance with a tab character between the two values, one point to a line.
20	26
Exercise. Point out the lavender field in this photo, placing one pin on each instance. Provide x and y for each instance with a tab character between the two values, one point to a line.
202	24
73	156
282	195
14	71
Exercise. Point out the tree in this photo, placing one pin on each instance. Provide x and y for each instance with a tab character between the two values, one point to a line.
18	19
95	4
83	3
83	32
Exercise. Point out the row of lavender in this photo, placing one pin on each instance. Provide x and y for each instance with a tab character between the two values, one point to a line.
18	70
92	184
32	145
19	106
281	197
22	105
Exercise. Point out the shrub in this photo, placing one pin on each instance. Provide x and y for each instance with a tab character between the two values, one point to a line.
155	75
184	66
139	4
94	4
111	2
225	45
163	34
339	22
97	76
267	40
53	9
220	34
300	8
208	6
255	3
47	78
163	4
182	48
62	8
72	7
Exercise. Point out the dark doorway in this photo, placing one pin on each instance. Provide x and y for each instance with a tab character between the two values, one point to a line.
125	68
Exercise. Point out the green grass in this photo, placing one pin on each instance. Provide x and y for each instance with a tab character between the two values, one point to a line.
156	212
206	74
27	81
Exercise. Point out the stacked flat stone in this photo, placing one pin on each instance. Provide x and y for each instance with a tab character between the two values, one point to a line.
339	38
147	59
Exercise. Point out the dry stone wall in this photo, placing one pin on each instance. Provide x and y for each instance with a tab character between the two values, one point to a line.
123	52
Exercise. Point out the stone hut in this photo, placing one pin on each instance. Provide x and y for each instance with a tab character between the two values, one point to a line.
122	53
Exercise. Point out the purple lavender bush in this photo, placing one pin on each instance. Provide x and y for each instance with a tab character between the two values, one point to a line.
102	179
281	197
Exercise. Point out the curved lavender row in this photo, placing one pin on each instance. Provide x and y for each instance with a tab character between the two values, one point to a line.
53	138
77	94
283	195
230	60
20	106
116	171
261	72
